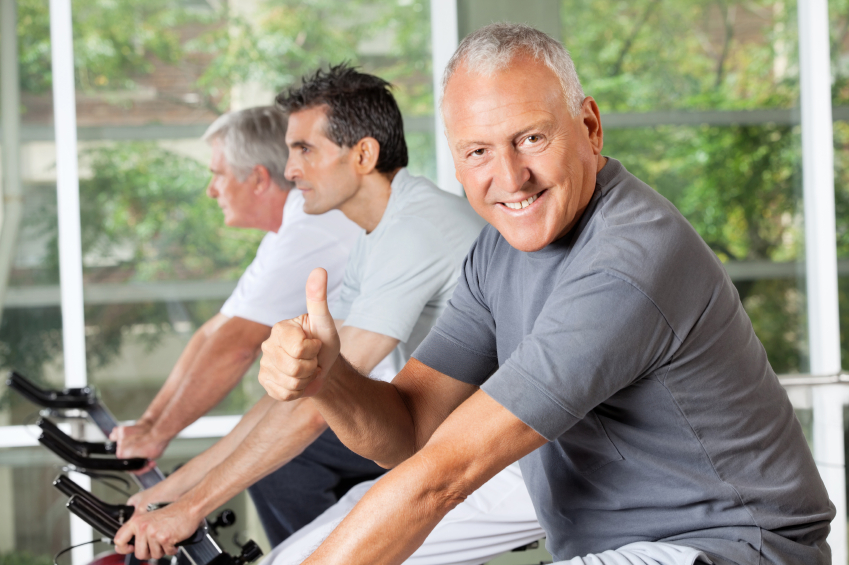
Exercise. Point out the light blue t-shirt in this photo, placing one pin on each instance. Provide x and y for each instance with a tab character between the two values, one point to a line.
400	276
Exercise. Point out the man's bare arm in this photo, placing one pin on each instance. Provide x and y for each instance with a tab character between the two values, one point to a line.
388	422
393	519
283	432
186	477
217	357
380	421
172	383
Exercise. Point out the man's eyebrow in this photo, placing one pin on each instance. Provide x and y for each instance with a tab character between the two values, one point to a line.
537	126
299	143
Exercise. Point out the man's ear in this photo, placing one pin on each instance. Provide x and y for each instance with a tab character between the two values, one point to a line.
592	121
366	153
263	179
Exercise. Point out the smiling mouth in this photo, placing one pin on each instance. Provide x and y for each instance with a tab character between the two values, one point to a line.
524	203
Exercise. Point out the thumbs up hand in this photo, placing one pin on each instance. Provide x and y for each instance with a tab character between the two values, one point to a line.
299	353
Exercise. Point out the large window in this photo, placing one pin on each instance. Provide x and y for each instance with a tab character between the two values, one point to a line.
157	259
700	99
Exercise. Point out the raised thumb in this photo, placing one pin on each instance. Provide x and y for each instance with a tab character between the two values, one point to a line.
321	322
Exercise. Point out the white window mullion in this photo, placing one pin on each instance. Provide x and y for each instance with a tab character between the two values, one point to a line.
444	38
70	249
821	257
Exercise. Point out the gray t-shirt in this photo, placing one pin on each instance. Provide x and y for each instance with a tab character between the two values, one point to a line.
624	344
400	276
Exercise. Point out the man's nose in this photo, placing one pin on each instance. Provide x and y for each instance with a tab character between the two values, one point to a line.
512	174
210	189
292	171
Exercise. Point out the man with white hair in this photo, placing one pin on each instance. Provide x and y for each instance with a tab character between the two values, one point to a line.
593	336
248	163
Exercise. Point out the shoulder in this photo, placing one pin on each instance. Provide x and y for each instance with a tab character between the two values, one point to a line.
640	232
432	217
419	197
638	236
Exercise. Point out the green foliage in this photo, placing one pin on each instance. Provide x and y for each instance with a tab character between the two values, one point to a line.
650	55
286	39
114	41
145	217
146	211
24	558
738	185
838	11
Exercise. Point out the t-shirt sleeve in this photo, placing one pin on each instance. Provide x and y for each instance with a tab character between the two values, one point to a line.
593	337
462	343
404	270
272	287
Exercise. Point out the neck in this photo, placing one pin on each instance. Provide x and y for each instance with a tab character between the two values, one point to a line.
367	206
272	212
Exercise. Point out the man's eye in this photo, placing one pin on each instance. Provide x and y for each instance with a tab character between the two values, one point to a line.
478	152
533	138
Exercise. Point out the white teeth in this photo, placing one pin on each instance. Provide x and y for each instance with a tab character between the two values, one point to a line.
522	204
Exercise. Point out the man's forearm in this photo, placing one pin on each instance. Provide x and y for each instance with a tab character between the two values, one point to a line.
368	416
388	422
283	432
393	519
194	471
217	366
172	383
199	392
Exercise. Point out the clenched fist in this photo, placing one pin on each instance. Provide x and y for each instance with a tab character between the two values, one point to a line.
298	355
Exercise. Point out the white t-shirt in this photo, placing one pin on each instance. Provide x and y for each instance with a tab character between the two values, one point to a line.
272	287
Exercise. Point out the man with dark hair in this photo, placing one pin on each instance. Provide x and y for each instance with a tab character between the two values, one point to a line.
358	105
399	277
593	336
248	181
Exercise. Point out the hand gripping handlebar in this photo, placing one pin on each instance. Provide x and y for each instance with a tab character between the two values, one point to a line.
106	518
99	516
75	452
103	517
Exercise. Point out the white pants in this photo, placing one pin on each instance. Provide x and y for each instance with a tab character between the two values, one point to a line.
643	553
496	518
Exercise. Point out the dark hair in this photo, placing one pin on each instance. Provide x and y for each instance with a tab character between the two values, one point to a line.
358	105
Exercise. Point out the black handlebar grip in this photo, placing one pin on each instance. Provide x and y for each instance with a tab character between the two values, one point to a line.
79	398
93	516
89	463
120	512
83	448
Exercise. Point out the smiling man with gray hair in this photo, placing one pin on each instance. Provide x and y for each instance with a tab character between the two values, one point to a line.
593	336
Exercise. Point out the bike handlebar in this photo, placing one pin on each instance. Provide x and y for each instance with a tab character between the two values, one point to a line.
69	398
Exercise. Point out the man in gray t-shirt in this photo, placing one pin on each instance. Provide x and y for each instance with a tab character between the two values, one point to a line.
594	337
641	369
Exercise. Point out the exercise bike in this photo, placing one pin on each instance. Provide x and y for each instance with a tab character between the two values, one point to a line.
83	456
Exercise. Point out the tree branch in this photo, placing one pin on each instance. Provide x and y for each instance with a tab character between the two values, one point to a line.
728	20
617	67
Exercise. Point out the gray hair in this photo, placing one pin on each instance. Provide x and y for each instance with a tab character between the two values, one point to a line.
251	137
493	47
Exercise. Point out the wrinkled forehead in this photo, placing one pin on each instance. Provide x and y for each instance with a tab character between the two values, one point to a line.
522	90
